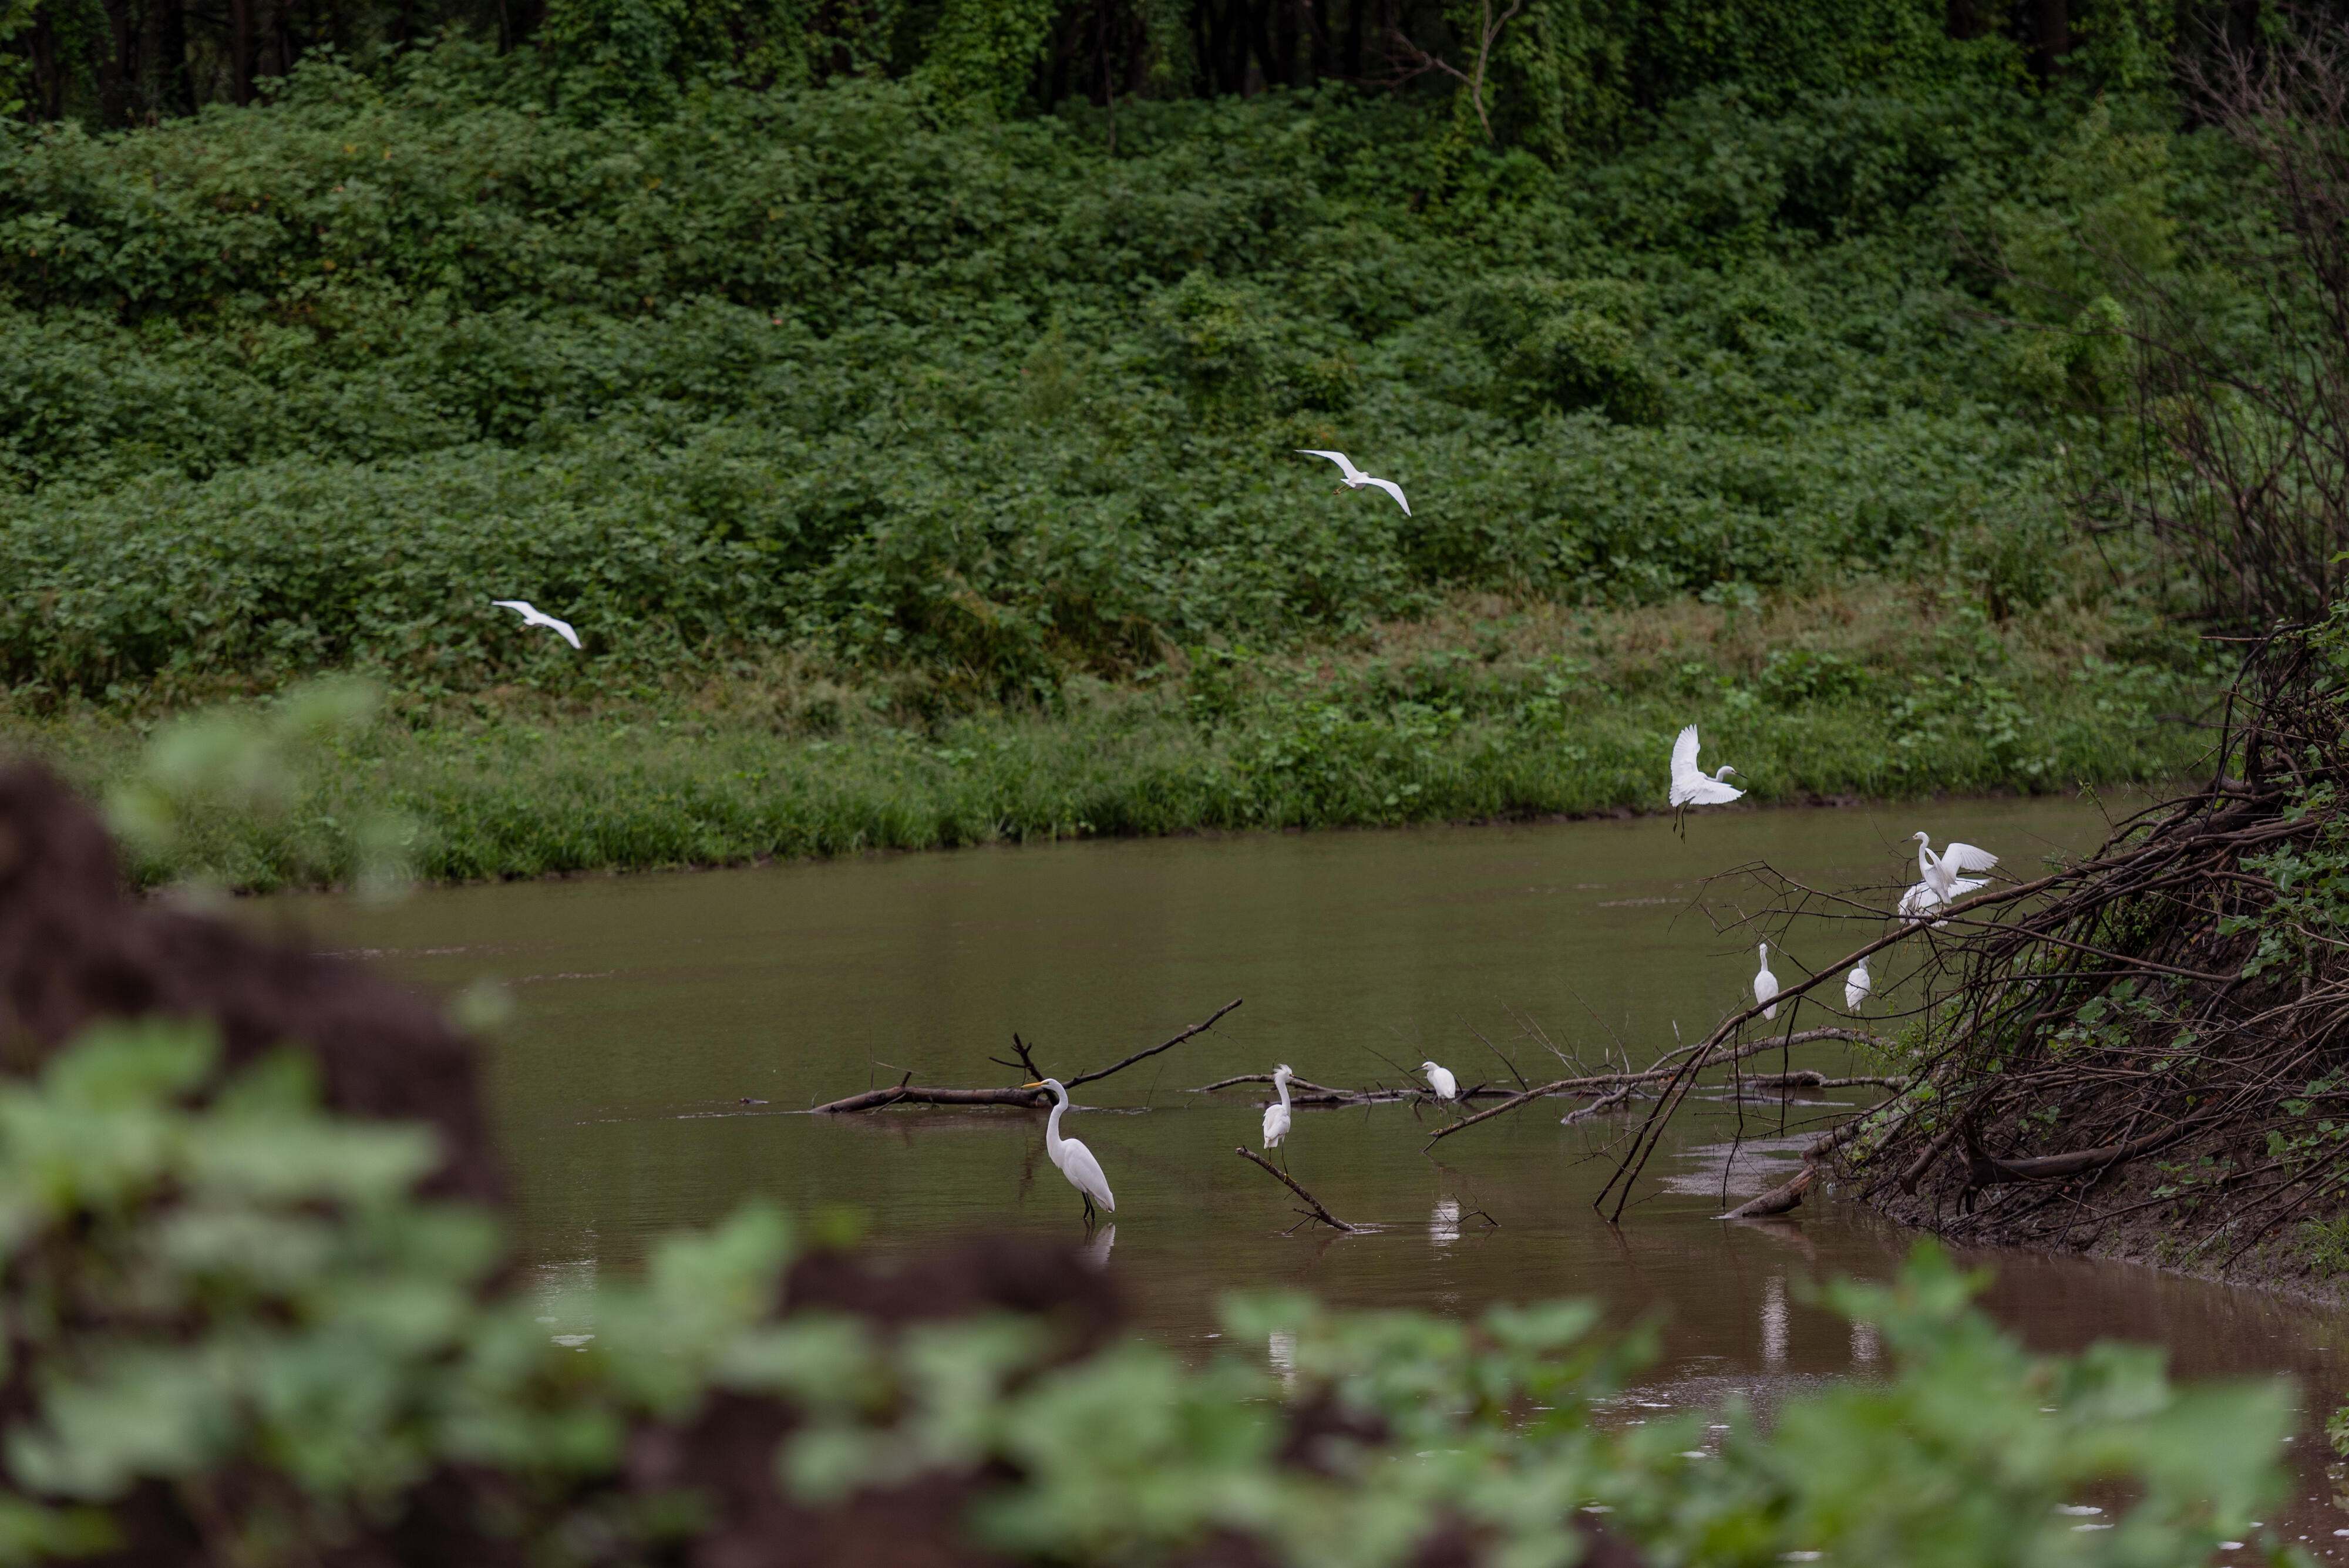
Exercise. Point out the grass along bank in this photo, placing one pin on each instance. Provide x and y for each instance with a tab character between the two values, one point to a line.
1487	709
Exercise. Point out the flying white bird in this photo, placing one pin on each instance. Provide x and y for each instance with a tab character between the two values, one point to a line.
532	616
1075	1160
1441	1080
1691	786
1276	1118
1765	985
1353	478
1856	987
1940	876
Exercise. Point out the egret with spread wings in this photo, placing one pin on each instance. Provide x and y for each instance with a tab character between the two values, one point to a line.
1352	478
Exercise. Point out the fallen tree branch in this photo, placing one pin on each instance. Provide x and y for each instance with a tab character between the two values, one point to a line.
1598	1082
1282	1177
1213	1019
903	1095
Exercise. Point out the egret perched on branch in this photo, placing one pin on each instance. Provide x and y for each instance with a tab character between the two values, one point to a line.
1276	1118
1352	478
1941	878
532	616
1441	1080
1691	786
1075	1160
1856	987
1765	985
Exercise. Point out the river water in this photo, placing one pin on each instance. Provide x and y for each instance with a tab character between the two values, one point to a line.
668	1030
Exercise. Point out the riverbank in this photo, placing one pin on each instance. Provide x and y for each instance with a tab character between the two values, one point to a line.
1490	710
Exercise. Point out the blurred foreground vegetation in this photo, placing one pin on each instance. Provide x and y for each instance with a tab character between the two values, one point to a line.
231	1310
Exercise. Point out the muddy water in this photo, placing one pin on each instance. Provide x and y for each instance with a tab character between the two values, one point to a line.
668	1030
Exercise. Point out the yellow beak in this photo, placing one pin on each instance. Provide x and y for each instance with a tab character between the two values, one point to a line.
1037	1085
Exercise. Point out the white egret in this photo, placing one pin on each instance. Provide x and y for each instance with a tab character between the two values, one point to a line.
1690	785
1765	985
1276	1118
1941	877
1075	1160
1441	1080
1352	478
532	616
1856	987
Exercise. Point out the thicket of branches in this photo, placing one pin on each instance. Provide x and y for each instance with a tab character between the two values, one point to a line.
2159	1038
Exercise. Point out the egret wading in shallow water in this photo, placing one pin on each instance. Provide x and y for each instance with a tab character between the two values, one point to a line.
1765	985
1276	1118
1352	478
532	616
1441	1080
1856	987
1691	785
1941	877
1075	1160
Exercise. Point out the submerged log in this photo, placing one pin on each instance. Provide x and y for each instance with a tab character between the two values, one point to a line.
905	1093
1323	1215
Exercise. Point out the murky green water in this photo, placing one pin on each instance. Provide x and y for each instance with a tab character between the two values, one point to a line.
649	1008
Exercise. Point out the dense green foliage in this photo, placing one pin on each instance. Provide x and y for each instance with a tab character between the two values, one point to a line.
244	1300
305	385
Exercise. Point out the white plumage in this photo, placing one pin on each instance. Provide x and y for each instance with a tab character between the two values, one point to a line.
1075	1160
1276	1118
1353	478
1939	879
1856	987
1691	785
1441	1080
532	616
1765	985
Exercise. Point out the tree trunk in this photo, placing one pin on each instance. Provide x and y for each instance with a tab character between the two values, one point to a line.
1354	14
1285	42
2051	37
240	50
1961	19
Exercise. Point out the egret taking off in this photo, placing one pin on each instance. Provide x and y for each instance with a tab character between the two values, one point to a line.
1941	877
1075	1160
1691	786
532	616
1441	1080
1856	986
1765	985
1352	478
1276	1118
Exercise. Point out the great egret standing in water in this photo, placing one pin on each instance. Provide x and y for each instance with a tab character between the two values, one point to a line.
1075	1160
1353	478
1276	1118
1765	985
1441	1080
532	616
1856	987
1941	877
1691	785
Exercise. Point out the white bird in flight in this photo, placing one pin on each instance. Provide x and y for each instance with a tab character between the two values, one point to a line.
1353	478
1856	987
1276	1118
1941	877
1765	985
1691	786
1441	1080
1075	1160
532	616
